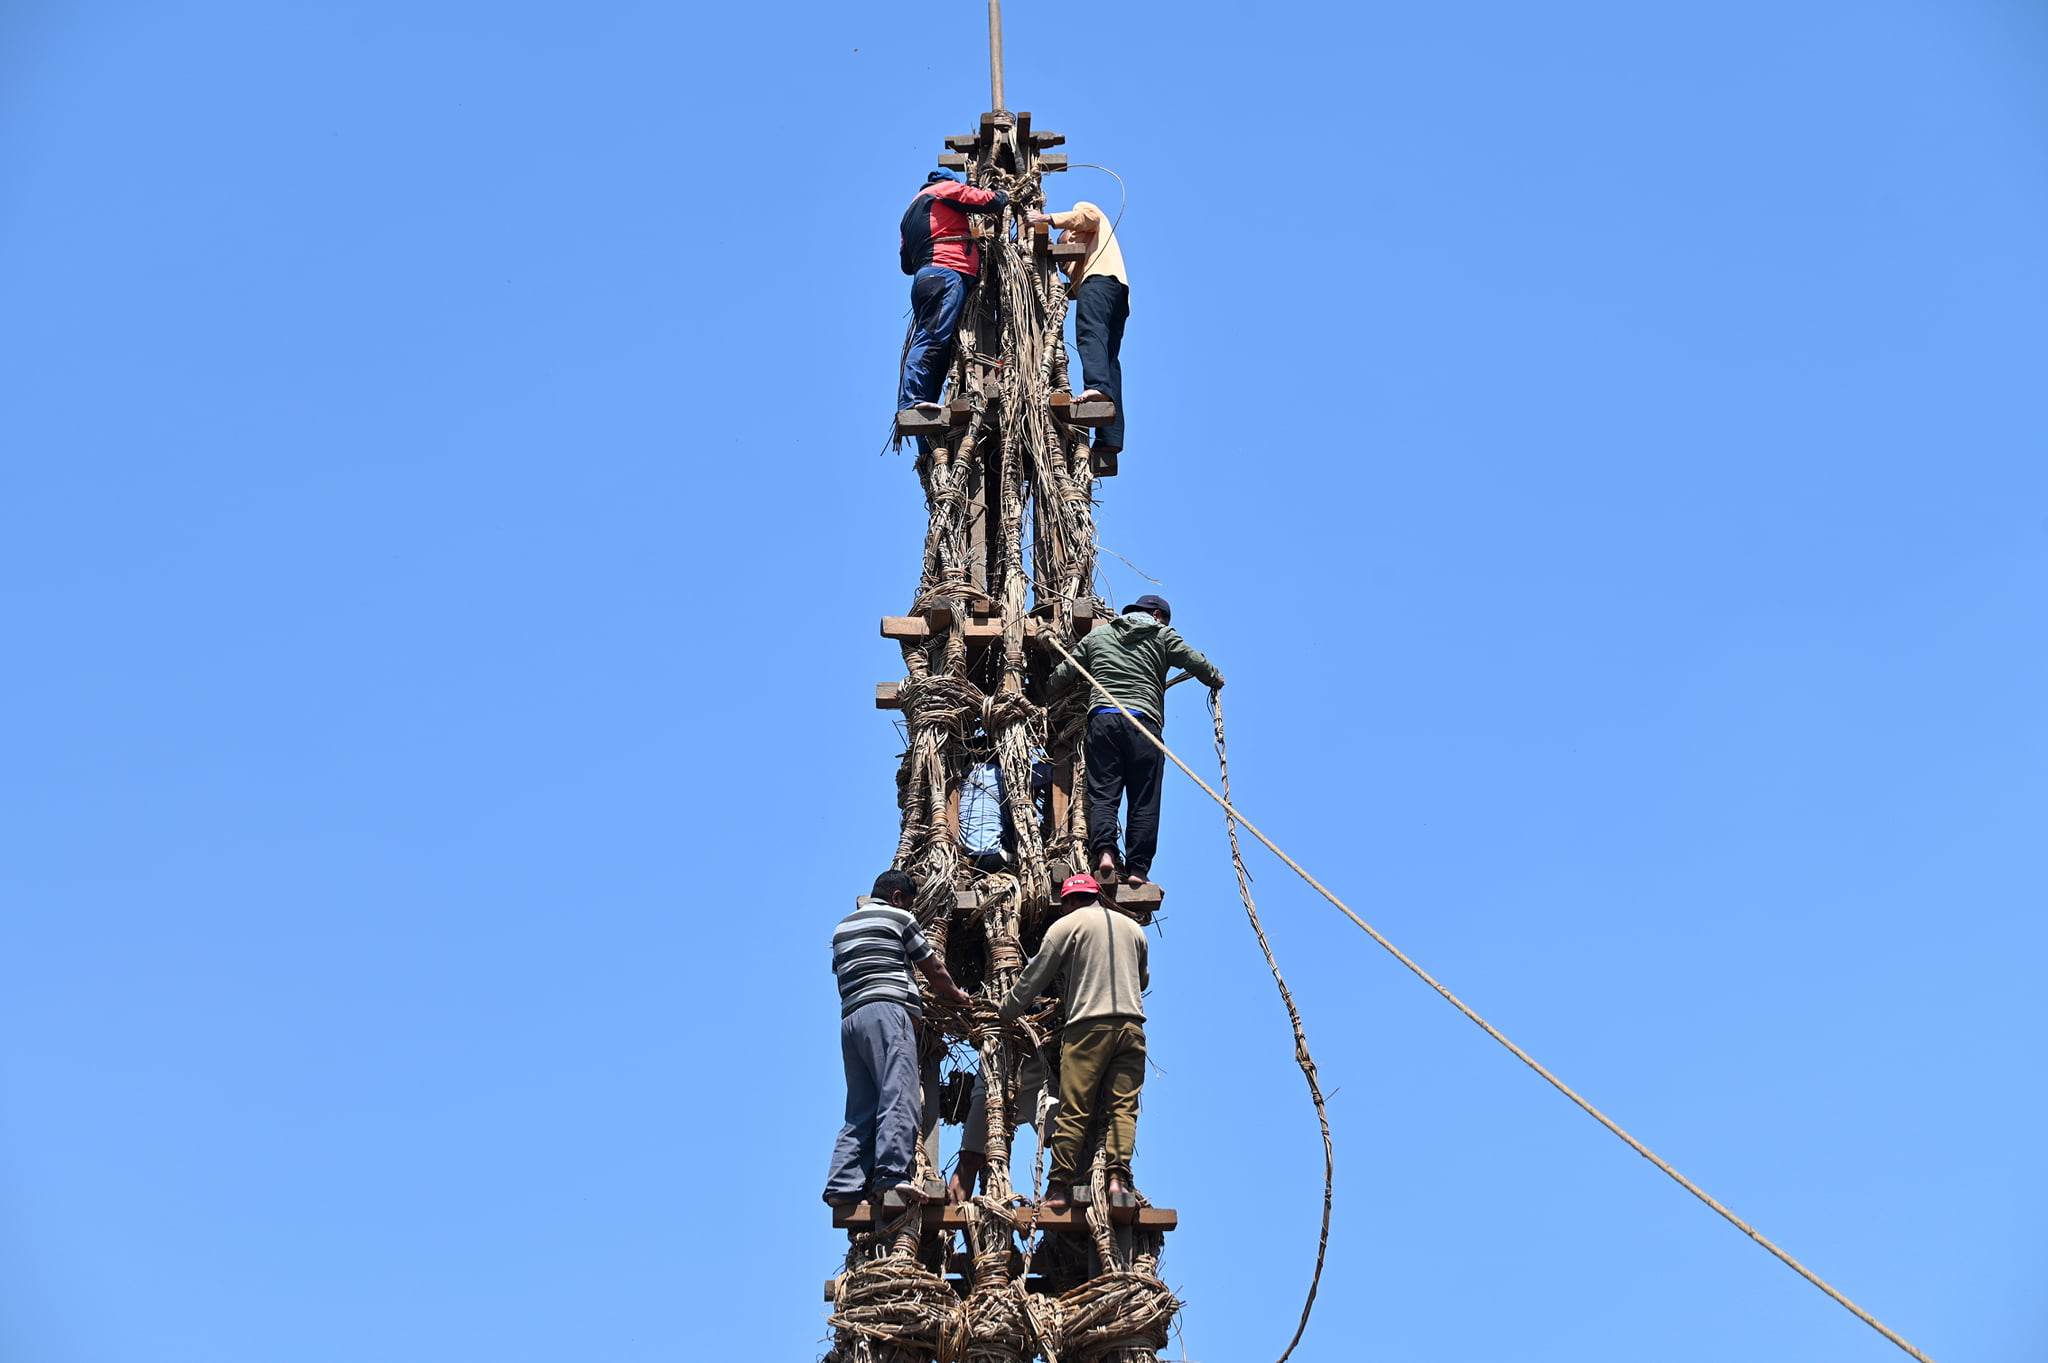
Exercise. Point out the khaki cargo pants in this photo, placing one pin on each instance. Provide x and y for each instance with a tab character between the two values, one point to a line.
1100	1062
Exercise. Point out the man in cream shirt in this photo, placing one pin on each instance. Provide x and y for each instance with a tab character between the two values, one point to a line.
1102	303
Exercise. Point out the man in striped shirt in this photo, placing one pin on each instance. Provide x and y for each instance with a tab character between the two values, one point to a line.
873	950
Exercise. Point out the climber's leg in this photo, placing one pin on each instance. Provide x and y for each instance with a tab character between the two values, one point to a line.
938	296
1101	307
1124	1078
1105	782
853	1154
899	1103
1144	770
1084	1051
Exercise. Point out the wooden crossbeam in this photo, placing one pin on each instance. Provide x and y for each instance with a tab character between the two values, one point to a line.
979	627
912	629
953	160
1041	140
1069	253
1048	163
888	695
962	142
939	1216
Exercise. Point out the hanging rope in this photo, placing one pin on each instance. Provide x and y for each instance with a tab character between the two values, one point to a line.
1301	1055
1595	1113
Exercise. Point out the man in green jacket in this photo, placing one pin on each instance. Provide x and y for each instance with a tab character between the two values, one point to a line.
1129	656
1099	953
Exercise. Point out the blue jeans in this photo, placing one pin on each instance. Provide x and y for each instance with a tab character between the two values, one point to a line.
938	295
884	1102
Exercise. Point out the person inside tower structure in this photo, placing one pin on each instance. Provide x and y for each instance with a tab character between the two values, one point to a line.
1100	955
935	248
1129	656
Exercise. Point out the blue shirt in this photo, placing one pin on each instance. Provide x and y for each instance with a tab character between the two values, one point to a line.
981	810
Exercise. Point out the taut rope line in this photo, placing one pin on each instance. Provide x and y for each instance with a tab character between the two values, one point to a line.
1595	1113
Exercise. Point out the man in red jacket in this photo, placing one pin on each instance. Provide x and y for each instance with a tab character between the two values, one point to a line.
936	249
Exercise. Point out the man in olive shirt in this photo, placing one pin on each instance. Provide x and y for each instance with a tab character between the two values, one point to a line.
1100	953
1129	656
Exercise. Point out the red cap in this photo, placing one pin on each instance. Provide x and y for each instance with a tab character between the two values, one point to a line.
1081	884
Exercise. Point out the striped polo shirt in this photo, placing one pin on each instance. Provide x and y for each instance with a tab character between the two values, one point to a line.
872	951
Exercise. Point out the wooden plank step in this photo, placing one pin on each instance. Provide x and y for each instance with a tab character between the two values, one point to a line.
1049	163
1069	254
910	421
963	142
888	695
938	1215
953	160
1041	139
1064	408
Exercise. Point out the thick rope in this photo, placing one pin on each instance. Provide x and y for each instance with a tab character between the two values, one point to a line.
1301	1053
1595	1113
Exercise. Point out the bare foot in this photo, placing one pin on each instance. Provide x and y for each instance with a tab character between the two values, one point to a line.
1134	879
1056	1197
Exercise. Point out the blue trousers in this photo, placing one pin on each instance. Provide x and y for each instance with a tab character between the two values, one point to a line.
938	295
884	1103
1101	307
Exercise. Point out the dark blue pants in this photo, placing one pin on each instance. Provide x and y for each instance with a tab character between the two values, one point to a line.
1122	762
1101	307
938	295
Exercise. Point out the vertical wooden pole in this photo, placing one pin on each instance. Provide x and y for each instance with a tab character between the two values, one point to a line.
995	54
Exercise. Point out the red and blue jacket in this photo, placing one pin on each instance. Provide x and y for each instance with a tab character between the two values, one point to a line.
934	230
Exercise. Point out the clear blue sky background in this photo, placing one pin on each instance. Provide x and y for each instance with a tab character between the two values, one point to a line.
441	536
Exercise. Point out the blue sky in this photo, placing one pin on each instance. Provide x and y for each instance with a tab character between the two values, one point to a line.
441	538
